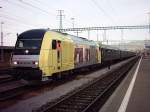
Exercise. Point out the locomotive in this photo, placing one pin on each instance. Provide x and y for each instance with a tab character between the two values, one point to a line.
40	54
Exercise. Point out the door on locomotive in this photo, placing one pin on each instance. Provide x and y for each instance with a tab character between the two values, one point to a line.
56	45
59	55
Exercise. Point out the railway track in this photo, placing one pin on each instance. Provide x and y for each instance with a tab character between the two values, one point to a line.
5	78
5	70
12	88
92	96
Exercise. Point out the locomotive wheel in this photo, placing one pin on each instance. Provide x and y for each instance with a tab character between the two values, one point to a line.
57	76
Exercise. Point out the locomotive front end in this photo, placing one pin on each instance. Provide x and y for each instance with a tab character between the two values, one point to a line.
25	59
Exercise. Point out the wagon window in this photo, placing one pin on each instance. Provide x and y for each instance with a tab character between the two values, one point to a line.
54	45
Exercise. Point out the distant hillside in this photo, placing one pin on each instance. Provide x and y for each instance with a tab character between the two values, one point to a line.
134	45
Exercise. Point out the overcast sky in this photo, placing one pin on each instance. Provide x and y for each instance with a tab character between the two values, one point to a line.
21	15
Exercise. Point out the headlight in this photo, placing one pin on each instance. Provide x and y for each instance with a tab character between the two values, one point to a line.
35	62
15	63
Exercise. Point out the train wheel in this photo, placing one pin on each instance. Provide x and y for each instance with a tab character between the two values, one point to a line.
57	76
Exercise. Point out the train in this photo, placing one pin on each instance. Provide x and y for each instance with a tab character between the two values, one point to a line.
42	54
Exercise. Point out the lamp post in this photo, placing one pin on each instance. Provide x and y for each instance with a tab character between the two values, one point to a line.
1	40
72	22
2	53
2	33
149	24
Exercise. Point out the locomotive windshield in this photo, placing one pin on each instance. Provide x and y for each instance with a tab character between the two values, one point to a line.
30	40
29	43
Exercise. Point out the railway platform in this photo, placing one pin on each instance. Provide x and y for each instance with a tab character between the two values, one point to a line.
133	94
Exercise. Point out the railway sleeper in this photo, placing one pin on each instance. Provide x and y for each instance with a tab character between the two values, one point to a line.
87	94
66	107
99	88
94	88
92	93
71	107
76	101
78	98
62	110
81	100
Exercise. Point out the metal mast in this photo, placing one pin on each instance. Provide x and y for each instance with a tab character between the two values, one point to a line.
60	15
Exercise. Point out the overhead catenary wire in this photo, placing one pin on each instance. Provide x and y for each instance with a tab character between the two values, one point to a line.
18	5
111	6
23	19
42	3
17	26
113	10
48	13
102	10
16	20
48	7
18	2
33	6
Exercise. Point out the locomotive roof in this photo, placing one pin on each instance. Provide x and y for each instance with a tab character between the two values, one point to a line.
80	40
34	33
39	33
109	47
113	47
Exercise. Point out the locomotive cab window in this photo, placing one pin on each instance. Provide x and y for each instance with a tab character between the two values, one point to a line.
29	43
109	51
54	44
20	44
